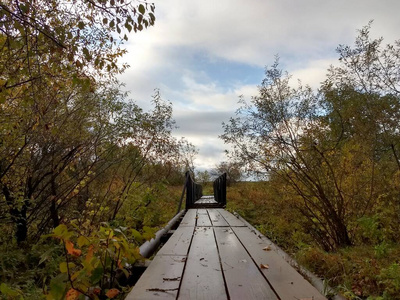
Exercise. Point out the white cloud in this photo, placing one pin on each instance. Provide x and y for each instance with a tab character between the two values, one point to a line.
247	32
314	73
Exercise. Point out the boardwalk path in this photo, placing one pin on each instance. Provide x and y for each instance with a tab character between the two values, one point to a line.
215	255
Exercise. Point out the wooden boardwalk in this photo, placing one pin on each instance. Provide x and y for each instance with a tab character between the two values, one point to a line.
215	255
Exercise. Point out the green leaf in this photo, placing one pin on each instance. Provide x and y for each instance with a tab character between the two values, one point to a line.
8	291
97	274
58	286
152	17
136	235
142	10
45	256
149	232
61	231
24	7
128	26
81	25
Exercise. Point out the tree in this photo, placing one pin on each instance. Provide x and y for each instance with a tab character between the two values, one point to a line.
329	147
203	177
56	111
232	169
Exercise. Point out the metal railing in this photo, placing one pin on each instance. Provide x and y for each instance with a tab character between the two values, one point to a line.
220	189
194	191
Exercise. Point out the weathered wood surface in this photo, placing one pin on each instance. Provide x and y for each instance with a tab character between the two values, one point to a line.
179	242
207	202
202	278
243	278
161	280
285	280
206	199
215	255
190	218
217	219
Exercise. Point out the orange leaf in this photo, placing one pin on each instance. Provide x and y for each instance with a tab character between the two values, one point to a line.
72	294
69	246
76	252
119	264
71	250
262	266
112	293
89	255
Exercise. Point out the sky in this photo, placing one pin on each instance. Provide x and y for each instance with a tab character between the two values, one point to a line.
202	55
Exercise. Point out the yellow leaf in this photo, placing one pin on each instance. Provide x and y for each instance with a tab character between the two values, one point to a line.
82	241
268	248
75	275
63	267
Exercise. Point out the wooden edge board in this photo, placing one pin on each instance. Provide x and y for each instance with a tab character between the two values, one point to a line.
243	278
179	242
190	218
286	281
161	279
314	280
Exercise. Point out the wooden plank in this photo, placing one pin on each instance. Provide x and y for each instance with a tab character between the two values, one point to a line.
287	282
231	219
202	218
202	278
216	218
243	278
179	242
190	218
161	279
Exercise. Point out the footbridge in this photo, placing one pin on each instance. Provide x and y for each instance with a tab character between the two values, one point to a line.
214	254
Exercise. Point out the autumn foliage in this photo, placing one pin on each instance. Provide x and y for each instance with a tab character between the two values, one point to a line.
329	159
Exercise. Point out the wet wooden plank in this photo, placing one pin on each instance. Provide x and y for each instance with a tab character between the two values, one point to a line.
202	278
202	218
161	279
287	282
231	219
179	242
190	218
216	218
243	278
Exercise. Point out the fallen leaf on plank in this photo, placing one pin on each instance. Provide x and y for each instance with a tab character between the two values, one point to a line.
268	248
264	266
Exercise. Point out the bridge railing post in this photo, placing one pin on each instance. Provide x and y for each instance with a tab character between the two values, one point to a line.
194	191
220	189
